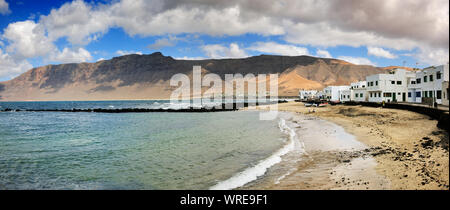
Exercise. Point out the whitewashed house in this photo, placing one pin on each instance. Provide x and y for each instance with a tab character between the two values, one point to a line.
359	91
356	92
345	95
445	93
391	87
332	93
427	87
307	94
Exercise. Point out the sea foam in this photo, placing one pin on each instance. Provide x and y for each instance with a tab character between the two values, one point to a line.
252	173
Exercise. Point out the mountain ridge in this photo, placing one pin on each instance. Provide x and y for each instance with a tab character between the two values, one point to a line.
147	76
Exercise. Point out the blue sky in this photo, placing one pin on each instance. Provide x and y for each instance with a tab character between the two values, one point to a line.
36	33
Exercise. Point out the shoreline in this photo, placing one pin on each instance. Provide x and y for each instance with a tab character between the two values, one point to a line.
325	162
407	149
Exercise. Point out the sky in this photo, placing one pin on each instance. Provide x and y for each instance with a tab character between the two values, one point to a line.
414	33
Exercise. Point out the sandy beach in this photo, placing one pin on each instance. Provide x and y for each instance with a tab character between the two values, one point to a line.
382	149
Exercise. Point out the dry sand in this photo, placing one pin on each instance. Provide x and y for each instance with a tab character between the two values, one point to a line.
405	150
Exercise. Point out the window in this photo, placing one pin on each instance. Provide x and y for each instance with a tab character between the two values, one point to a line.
418	94
409	94
413	82
399	93
379	94
393	82
387	94
356	95
363	86
431	78
438	75
430	93
425	79
376	83
371	95
361	95
399	82
418	81
439	94
348	96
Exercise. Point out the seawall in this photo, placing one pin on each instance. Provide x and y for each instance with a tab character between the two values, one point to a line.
440	115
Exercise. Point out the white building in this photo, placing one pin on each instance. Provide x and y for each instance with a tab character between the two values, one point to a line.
427	87
389	87
332	93
307	94
358	85
445	93
360	95
359	91
345	95
356	92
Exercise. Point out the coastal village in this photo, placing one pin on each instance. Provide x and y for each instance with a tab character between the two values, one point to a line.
427	86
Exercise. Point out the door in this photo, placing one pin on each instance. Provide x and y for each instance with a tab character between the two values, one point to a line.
404	97
394	97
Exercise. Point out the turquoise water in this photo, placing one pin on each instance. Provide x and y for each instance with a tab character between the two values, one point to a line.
130	150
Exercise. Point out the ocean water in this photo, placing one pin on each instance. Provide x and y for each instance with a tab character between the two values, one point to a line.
52	150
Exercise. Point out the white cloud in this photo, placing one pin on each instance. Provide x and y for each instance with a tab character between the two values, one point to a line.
10	67
432	56
220	51
101	59
4	8
125	52
27	39
357	60
317	23
326	35
190	58
168	17
323	54
71	56
80	22
161	43
390	19
380	52
279	49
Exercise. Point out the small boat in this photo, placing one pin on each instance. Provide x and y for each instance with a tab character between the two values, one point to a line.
323	104
308	105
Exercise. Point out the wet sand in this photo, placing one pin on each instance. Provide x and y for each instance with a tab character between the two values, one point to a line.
398	150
